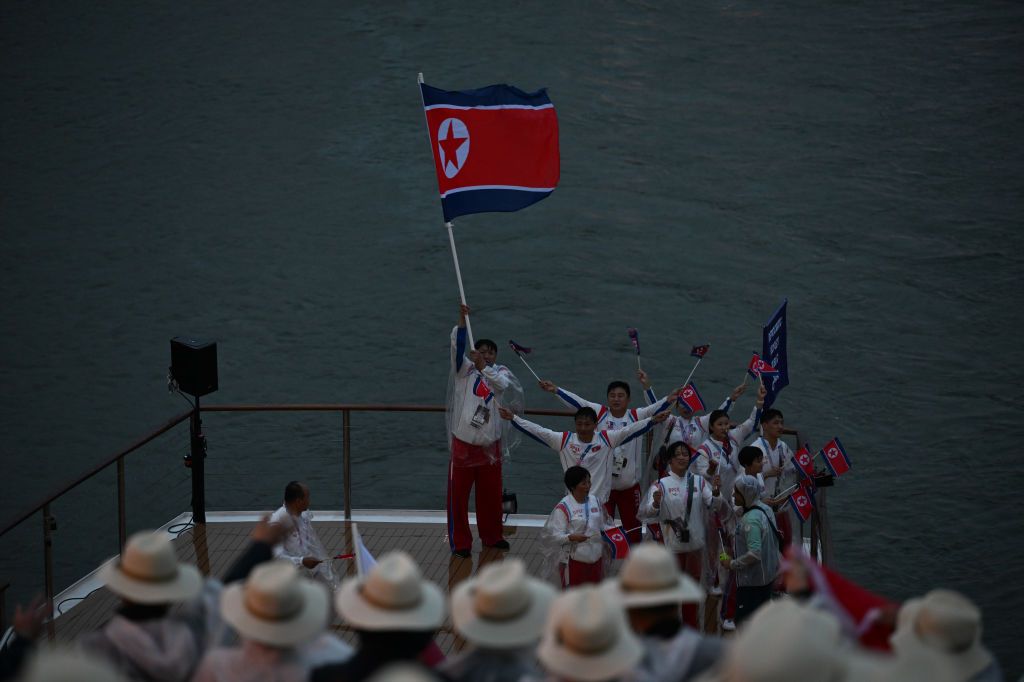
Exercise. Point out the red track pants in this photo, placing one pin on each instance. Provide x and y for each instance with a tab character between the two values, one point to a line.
628	502
487	478
578	573
690	564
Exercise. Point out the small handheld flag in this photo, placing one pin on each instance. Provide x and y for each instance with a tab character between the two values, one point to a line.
521	351
691	398
517	349
758	367
698	352
802	503
634	338
804	462
835	457
617	541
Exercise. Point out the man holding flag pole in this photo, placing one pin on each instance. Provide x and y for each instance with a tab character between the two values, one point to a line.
494	149
477	386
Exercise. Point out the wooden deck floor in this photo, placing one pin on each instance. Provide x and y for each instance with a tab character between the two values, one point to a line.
214	546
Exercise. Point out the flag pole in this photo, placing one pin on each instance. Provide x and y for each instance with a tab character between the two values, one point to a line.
448	224
697	364
458	277
528	367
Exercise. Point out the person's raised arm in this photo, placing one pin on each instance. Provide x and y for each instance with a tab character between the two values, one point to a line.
552	439
617	437
645	381
568	398
460	340
741	432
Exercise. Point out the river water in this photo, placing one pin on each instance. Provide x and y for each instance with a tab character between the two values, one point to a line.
258	173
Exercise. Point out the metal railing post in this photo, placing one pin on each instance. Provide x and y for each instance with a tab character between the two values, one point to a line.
122	512
49	525
198	460
346	460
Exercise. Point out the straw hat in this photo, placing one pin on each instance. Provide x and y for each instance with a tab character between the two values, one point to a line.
785	641
501	607
946	626
148	572
392	596
276	605
651	577
61	664
586	637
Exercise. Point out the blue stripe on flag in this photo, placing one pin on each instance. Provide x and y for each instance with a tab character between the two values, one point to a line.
487	200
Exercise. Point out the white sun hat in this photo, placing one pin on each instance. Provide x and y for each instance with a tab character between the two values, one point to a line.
946	626
586	637
148	572
651	577
392	596
785	641
276	605
501	607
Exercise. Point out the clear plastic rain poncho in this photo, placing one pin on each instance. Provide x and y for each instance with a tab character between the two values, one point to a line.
473	397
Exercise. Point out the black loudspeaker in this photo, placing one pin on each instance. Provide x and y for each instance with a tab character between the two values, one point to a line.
194	365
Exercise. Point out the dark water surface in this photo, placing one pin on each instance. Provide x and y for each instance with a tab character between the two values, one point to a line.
258	173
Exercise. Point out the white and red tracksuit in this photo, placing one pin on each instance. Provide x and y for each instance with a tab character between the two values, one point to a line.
475	449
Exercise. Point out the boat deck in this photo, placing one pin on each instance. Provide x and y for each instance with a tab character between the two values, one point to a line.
215	545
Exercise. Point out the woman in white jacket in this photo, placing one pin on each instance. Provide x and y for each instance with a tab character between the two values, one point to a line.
681	502
572	533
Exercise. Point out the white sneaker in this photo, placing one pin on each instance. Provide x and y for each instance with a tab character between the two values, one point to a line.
728	625
715	591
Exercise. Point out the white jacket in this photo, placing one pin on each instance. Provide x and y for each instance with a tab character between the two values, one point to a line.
674	500
476	393
570	517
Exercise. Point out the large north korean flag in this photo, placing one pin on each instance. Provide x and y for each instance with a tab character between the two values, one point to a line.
495	148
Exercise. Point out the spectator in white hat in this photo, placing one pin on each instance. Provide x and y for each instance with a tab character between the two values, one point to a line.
586	638
144	640
946	626
652	589
282	618
501	613
787	642
395	613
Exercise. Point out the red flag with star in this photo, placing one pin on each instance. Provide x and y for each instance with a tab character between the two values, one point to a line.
495	148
